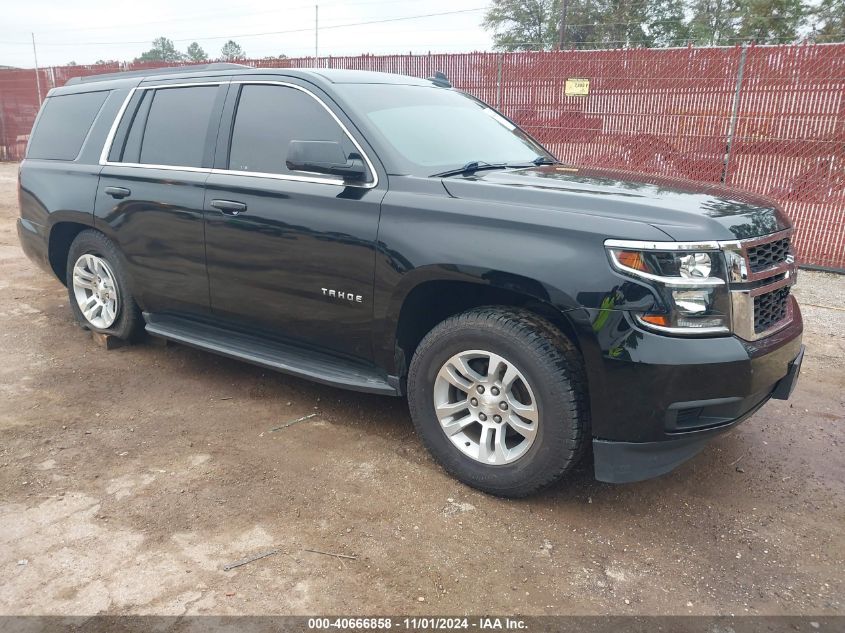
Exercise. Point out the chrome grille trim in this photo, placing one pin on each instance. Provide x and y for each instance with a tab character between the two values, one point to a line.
746	284
739	266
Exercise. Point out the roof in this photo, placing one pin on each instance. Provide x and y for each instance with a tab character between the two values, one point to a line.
337	76
317	75
167	70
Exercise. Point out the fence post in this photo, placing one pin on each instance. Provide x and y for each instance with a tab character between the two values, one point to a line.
499	82
735	113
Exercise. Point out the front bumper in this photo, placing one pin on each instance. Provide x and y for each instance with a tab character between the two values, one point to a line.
661	399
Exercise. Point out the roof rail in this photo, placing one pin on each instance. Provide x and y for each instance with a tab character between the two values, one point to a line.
165	70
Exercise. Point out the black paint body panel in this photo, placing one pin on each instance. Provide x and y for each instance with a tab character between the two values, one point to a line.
159	229
536	233
267	267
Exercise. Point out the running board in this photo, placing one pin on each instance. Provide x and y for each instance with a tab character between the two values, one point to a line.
317	366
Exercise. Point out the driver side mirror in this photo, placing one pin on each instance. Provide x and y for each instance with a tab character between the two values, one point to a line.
324	157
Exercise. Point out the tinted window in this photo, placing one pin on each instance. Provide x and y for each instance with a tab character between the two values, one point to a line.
64	124
431	129
129	149
177	126
269	118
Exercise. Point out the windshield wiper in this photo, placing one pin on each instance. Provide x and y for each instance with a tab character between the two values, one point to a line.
477	165
470	168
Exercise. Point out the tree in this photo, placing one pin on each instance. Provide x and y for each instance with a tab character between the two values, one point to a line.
231	51
583	23
535	24
666	23
771	21
523	25
196	53
163	50
829	21
714	22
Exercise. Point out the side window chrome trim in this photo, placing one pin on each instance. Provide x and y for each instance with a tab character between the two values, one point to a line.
234	172
320	180
107	146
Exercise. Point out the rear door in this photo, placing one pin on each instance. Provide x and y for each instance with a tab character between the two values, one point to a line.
297	259
151	191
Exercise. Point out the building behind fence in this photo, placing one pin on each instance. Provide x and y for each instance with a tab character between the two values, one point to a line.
768	119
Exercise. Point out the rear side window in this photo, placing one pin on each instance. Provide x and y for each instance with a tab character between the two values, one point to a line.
176	126
64	124
269	118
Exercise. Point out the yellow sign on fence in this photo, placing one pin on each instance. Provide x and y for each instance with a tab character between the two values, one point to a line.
577	87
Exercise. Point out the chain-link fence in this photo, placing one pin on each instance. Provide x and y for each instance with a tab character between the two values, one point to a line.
768	119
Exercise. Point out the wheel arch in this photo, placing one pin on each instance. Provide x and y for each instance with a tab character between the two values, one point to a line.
421	302
61	236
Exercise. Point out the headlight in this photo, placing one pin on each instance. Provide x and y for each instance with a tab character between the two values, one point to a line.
689	280
696	265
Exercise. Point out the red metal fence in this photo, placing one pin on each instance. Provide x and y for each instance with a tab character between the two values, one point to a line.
769	119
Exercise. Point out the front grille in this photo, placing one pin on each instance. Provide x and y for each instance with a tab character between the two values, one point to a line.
760	271
770	308
767	255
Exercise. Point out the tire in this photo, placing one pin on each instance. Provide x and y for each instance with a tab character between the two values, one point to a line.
552	380
99	257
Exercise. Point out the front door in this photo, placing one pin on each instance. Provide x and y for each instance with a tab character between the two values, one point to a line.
289	253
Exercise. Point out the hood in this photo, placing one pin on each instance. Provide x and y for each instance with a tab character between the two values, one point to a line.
685	210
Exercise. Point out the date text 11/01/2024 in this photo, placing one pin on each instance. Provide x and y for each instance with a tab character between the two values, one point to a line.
418	623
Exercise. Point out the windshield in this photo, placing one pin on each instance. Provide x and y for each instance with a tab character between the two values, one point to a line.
432	130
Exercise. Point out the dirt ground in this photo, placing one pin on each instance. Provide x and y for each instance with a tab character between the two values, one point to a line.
129	478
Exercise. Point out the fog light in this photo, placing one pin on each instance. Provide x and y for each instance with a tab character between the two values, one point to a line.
695	265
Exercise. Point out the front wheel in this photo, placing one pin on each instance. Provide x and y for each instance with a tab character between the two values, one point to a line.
97	288
498	395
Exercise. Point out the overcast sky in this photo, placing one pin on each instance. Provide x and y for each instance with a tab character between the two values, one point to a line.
87	30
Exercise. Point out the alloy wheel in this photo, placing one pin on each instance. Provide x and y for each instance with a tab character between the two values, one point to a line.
486	407
96	291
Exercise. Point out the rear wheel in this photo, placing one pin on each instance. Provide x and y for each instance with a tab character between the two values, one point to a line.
498	395
97	288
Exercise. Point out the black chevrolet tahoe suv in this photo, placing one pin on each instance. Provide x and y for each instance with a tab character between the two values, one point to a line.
396	236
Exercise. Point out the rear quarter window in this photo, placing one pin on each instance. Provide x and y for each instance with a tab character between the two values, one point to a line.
63	124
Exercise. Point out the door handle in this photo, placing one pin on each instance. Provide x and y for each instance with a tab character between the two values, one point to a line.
117	192
229	207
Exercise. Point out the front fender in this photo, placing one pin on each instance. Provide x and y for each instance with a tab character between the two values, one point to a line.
465	284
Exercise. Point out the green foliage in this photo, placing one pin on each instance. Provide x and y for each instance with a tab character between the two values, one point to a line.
772	21
714	22
523	25
232	51
196	53
163	50
535	24
829	21
666	24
